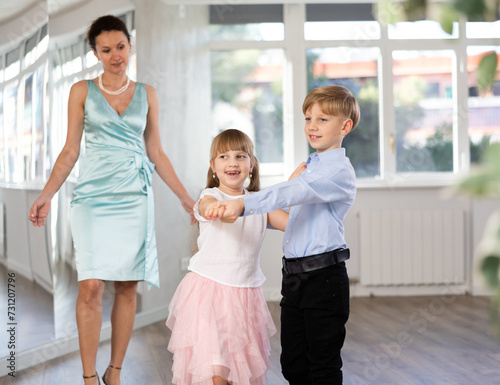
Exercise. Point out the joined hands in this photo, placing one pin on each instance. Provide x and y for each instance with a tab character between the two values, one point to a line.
229	211
226	211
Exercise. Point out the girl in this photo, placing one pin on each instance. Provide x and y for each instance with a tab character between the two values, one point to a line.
219	319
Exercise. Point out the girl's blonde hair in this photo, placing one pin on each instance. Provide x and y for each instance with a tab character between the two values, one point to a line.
234	140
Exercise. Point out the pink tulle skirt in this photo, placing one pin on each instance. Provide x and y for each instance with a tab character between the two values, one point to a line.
219	330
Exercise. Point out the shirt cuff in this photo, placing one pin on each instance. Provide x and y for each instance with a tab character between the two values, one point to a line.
251	205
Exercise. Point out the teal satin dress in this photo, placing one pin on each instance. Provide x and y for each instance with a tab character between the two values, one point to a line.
112	211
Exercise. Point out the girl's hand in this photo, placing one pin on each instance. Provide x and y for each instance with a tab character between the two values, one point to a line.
231	210
213	210
187	204
298	171
39	211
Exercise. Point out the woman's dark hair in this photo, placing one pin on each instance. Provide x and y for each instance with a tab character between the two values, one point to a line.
105	24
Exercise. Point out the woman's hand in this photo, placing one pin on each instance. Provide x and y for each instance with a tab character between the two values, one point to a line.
187	204
298	171
39	211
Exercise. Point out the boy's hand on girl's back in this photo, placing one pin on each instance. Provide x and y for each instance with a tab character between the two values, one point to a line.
298	171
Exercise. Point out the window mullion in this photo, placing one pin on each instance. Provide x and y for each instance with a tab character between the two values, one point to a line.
294	86
461	147
386	106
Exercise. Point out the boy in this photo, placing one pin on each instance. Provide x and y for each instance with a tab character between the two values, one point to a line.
315	285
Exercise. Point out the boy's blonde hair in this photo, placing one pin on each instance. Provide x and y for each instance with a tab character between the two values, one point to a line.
234	140
334	100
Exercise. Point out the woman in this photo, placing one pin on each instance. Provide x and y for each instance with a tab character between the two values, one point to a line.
112	208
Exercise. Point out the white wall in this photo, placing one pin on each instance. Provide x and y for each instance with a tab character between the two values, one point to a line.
476	214
173	57
27	248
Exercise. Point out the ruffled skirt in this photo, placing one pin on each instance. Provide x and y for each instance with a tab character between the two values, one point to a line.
219	330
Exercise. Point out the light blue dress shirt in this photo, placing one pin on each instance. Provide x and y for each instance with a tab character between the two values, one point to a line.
319	198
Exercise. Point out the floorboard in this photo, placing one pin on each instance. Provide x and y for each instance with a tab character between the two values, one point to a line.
437	340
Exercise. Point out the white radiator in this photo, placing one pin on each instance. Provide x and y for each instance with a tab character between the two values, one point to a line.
412	247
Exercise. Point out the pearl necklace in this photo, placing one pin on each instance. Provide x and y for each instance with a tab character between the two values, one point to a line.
117	92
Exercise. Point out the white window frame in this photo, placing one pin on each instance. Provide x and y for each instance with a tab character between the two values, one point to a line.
295	147
40	61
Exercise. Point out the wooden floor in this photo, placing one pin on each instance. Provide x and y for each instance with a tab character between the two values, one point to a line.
33	311
440	340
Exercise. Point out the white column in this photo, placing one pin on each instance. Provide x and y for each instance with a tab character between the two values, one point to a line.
173	57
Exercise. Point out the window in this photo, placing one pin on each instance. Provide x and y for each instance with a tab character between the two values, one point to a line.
30	50
341	22
345	51
482	29
418	30
342	30
24	129
40	164
423	111
423	117
408	79
11	132
483	109
357	70
247	94
246	22
13	63
71	58
247	77
27	122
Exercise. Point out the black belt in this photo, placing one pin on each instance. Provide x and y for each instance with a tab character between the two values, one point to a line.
315	262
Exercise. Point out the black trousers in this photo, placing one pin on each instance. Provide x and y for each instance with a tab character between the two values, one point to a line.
314	310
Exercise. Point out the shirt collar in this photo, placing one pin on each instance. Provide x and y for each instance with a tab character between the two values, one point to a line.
328	156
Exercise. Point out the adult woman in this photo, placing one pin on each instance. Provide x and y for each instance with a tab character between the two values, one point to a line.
112	208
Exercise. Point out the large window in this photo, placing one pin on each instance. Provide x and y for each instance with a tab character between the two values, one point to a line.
416	85
423	116
22	110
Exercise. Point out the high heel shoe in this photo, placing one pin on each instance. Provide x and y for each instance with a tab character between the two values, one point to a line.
104	375
94	375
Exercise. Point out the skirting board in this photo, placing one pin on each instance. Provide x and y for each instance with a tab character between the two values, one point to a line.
358	290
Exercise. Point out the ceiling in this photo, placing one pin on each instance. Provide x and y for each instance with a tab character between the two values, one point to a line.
11	9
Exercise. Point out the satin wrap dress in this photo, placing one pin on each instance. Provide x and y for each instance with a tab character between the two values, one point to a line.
112	211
